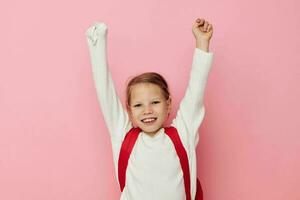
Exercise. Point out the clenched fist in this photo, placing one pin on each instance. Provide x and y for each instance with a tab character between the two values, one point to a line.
202	31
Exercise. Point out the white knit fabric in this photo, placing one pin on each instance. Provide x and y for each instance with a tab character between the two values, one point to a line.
154	171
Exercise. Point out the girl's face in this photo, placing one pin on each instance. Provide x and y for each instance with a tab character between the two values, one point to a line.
148	102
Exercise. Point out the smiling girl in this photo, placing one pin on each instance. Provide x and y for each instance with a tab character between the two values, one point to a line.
154	168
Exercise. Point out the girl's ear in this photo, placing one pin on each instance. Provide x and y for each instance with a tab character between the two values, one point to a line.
130	116
169	103
129	111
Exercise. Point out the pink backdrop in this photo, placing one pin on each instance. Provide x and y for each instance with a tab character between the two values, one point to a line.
54	144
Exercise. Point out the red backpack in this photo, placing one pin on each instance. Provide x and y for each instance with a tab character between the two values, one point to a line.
127	146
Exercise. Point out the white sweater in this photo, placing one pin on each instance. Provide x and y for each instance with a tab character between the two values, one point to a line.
154	171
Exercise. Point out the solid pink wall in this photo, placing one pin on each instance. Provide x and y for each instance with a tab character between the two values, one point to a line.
54	144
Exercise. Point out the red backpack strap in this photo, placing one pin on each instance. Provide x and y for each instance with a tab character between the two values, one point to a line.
125	151
199	192
173	134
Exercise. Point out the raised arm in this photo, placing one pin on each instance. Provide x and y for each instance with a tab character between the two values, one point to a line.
116	118
191	109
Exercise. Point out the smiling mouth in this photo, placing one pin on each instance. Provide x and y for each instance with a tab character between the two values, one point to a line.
149	120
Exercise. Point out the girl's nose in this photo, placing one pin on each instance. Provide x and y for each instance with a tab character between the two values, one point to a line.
148	109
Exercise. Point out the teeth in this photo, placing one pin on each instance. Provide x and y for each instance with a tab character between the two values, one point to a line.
148	120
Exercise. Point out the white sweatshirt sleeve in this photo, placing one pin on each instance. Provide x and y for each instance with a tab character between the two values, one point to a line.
115	116
191	109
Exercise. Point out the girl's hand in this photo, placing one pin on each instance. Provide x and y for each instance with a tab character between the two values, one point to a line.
202	31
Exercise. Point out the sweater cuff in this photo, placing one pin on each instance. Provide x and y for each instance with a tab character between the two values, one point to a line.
203	56
200	51
96	32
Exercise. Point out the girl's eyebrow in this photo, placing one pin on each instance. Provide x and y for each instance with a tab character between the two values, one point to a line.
154	99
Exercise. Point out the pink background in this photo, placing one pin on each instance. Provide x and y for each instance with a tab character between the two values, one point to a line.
54	144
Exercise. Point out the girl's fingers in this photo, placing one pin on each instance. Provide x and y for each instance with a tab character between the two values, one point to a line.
200	21
206	25
209	28
203	25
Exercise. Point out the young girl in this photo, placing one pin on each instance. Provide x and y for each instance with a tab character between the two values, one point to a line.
154	171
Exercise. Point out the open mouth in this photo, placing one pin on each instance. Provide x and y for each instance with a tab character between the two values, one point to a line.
149	120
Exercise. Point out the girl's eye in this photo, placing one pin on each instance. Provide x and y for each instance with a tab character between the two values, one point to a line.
138	105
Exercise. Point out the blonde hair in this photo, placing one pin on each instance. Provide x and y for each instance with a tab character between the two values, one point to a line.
147	77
